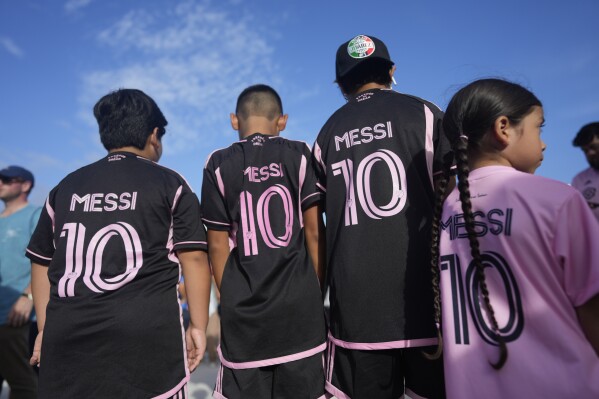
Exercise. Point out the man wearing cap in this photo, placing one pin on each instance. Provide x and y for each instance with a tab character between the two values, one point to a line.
376	159
17	222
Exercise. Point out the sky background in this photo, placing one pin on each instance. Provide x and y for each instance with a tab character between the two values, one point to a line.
57	58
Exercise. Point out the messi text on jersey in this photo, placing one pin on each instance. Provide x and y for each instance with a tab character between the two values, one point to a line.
496	221
100	202
258	174
364	135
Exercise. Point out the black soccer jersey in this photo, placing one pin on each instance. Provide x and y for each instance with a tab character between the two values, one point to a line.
271	304
108	233
375	159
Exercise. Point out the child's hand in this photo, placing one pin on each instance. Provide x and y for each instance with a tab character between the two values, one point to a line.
36	358
195	339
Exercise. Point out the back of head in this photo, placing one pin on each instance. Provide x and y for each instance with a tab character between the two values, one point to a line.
361	60
586	134
472	111
259	100
127	117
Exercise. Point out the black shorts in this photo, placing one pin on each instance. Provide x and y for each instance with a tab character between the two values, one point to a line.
299	379
384	374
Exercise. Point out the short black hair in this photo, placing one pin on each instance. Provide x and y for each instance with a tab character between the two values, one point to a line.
368	71
127	117
586	134
259	100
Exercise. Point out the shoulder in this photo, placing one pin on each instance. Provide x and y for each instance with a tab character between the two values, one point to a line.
168	174
220	155
294	145
585	175
541	190
409	99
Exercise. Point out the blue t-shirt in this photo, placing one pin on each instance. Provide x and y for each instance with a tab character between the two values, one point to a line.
15	268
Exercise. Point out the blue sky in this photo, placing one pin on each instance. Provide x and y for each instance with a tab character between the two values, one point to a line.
57	58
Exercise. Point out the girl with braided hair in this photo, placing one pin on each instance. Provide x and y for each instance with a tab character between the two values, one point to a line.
516	271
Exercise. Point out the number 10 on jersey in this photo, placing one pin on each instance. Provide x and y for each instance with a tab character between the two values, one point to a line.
468	289
262	215
363	185
75	262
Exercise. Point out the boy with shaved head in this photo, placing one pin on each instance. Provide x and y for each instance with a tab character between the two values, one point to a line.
265	242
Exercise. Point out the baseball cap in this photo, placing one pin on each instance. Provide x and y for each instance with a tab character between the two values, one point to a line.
357	50
14	171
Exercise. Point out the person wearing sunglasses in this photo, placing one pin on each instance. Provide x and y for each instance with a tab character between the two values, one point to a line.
17	222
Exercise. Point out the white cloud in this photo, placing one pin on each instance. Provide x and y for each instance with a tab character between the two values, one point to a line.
74	5
192	59
11	47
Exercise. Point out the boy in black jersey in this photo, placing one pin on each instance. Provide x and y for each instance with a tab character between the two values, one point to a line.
376	158
261	207
107	255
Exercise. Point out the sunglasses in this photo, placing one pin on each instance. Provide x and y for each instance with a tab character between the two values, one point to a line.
10	180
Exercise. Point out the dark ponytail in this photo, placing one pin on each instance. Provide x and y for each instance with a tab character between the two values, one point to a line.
470	115
461	156
440	192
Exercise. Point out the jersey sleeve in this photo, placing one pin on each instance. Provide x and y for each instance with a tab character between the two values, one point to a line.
188	230
443	153
41	245
575	244
214	210
310	193
319	167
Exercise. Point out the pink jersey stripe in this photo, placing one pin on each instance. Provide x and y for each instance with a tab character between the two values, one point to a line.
221	184
413	395
428	142
333	390
370	346
173	391
311	195
272	361
176	199
320	186
302	178
38	255
318	156
190	242
51	214
210	156
215	222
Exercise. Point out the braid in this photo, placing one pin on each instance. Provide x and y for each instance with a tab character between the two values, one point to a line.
435	234
460	149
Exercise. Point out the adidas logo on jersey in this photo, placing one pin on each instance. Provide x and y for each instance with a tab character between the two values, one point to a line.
258	140
116	157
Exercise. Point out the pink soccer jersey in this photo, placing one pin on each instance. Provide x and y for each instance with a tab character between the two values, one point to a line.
587	182
538	243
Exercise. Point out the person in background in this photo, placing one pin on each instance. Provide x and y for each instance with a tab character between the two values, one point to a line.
17	222
587	181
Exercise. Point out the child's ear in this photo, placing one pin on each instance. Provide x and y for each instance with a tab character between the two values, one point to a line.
234	121
502	130
282	122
